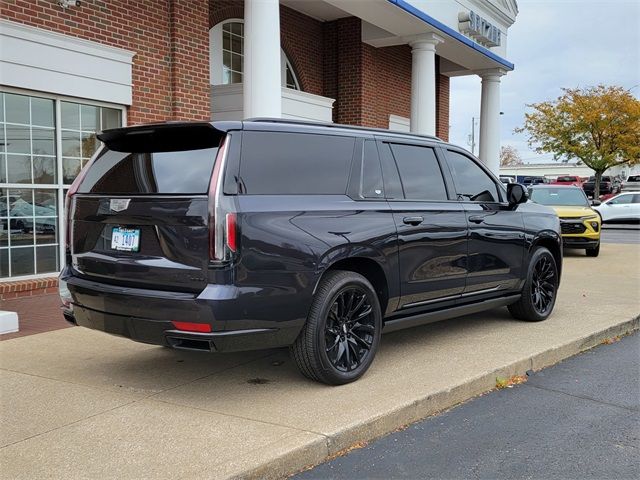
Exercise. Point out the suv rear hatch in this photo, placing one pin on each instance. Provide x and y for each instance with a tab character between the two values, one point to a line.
139	211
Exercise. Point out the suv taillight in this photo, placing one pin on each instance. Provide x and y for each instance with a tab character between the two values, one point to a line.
231	231
222	223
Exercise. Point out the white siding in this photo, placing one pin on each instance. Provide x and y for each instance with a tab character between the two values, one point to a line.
36	59
227	104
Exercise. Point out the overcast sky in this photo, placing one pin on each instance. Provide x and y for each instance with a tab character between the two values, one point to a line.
555	44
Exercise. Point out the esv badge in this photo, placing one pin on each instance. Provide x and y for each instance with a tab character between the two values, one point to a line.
119	204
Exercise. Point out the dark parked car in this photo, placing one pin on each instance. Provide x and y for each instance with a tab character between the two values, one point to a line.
532	180
606	186
268	233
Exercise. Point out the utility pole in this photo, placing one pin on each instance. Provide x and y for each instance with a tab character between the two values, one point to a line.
472	137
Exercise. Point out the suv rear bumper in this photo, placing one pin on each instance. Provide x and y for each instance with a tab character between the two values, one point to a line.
146	316
159	332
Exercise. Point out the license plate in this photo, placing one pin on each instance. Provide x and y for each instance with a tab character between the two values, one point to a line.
125	239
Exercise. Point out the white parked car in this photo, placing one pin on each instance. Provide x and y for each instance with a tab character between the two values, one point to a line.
505	179
624	207
631	184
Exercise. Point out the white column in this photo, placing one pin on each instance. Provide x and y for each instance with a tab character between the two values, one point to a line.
262	83
490	119
423	83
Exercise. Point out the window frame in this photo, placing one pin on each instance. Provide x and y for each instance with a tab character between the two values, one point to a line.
500	188
613	201
216	62
388	160
284	64
60	188
356	174
353	160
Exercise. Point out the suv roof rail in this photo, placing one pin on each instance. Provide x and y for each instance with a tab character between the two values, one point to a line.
338	125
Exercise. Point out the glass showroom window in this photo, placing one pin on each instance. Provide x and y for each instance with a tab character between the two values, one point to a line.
233	56
79	124
43	144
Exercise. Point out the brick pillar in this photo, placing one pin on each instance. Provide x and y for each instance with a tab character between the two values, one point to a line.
330	64
368	83
442	104
189	33
349	81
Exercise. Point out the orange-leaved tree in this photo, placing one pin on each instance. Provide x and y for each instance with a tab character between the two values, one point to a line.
599	125
509	156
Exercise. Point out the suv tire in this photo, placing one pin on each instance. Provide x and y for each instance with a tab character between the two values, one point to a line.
540	288
342	333
593	252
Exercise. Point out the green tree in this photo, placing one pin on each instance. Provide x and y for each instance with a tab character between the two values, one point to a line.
598	125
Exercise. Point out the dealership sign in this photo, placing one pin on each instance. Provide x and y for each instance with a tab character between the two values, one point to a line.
482	31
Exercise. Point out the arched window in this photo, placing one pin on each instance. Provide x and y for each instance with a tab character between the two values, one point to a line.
226	56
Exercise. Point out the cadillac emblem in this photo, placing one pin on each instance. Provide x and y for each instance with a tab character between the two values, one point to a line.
119	204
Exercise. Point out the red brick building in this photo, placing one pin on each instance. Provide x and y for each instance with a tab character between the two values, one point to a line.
69	69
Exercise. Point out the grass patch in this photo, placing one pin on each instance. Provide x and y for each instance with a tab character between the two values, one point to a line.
502	383
610	340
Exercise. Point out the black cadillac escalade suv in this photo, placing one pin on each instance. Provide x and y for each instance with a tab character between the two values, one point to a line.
232	236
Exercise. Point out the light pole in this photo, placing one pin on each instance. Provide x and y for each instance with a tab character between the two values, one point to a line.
471	141
472	137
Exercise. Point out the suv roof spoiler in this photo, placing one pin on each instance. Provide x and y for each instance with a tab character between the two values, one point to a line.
165	136
382	131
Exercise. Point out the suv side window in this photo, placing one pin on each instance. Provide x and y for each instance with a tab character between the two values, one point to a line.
371	185
420	172
621	200
472	182
284	163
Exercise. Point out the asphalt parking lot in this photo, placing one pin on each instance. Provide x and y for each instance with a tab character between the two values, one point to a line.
621	233
579	419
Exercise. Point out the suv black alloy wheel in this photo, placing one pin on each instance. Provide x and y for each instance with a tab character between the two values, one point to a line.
342	333
543	285
540	288
349	329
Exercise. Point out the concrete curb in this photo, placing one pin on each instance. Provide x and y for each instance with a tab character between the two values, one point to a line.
318	450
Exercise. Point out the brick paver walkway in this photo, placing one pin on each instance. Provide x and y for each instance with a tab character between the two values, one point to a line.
35	314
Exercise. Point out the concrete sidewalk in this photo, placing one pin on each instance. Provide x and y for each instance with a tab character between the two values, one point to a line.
81	404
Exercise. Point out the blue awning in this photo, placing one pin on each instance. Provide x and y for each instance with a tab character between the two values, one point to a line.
451	32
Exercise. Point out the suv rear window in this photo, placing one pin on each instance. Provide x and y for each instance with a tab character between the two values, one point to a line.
634	178
275	163
181	172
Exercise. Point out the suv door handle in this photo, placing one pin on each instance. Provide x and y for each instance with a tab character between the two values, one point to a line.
476	218
413	220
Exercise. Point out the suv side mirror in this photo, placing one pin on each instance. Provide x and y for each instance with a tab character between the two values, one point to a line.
516	194
595	203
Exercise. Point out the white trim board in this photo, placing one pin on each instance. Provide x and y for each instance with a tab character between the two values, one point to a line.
37	59
226	104
399	124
